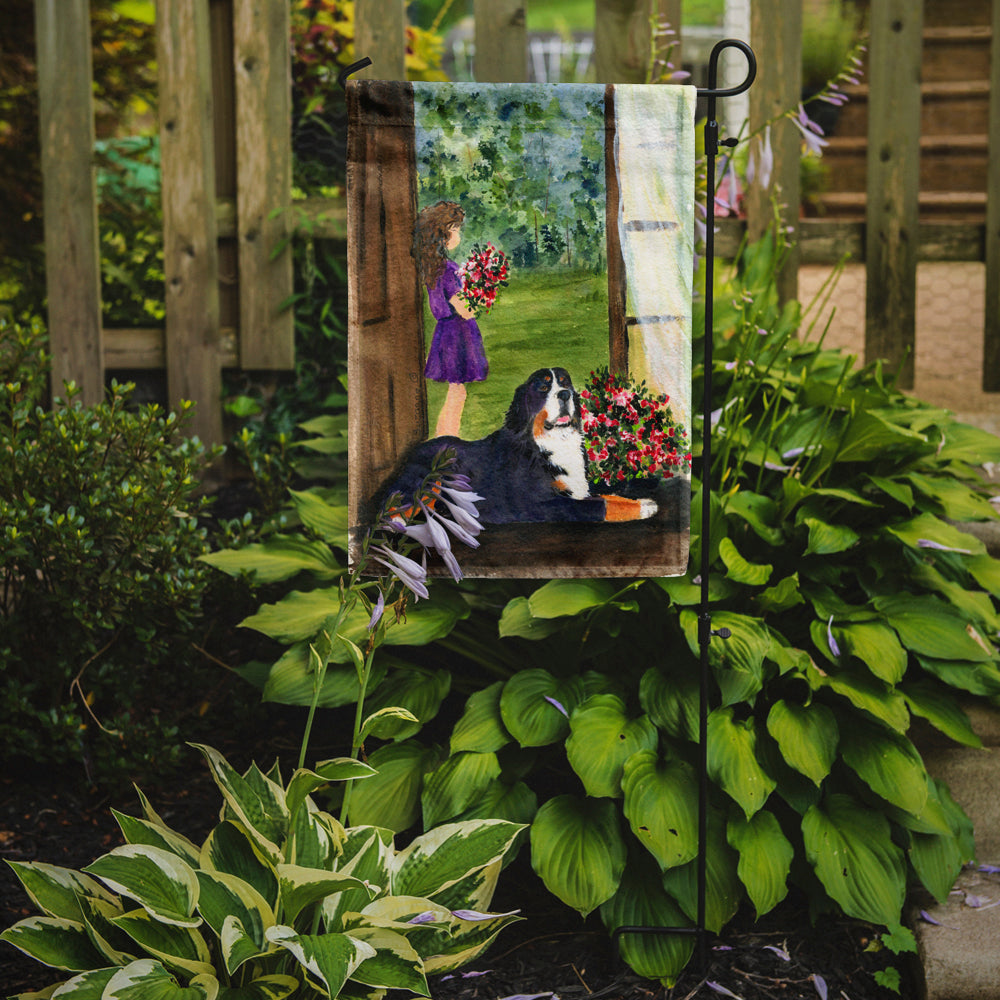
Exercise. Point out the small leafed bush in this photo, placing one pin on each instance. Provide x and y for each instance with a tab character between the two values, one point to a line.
99	579
279	899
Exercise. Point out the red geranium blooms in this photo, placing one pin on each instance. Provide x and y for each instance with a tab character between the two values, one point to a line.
486	270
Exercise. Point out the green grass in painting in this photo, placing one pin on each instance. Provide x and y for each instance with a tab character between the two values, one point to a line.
546	318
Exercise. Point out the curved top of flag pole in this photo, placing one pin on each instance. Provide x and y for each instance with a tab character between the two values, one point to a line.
712	90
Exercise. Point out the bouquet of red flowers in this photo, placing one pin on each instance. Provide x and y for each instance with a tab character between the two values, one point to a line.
630	433
482	274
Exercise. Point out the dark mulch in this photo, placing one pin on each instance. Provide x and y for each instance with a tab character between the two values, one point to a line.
54	817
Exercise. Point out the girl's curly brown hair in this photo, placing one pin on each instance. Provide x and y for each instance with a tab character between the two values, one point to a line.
434	226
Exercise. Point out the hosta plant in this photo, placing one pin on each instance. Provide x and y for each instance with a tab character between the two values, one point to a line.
279	900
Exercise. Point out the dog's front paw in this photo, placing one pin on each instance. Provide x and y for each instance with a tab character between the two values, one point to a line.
625	509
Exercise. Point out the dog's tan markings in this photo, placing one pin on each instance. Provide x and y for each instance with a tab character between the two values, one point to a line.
538	428
624	509
561	485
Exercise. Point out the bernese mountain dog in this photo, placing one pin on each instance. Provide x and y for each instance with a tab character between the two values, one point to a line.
533	468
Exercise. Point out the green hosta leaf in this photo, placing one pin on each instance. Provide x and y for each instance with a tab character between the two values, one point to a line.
559	598
226	898
866	692
986	571
327	520
330	958
54	941
177	947
142	831
955	500
147	979
807	736
893	488
481	727
516	803
684	593
159	881
877	646
828	539
416	690
723	889
933	702
732	760
229	849
765	858
931	628
937	860
869	437
888	763
395	965
661	806
389	722
928	528
975	605
741	571
758	511
529	716
850	847
577	850
976	678
642	902
301	887
670	699
304	782
391	798
738	662
456	784
965	443
438	859
56	891
601	739
517	620
291	680
259	805
783	595
279	558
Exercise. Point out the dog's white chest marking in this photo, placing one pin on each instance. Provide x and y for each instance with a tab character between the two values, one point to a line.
562	447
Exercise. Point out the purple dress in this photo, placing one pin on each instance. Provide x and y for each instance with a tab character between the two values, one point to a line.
457	353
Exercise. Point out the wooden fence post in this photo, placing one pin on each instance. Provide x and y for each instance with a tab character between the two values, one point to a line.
893	164
72	254
380	34
623	37
264	170
190	246
776	34
501	41
991	334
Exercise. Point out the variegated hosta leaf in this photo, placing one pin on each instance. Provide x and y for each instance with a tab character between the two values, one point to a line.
146	979
300	887
367	854
330	959
441	857
55	941
765	858
56	891
850	847
254	799
578	851
86	986
225	897
732	760
481	726
315	839
642	902
475	891
229	848
304	782
807	736
661	805
99	916
601	740
159	881
395	965
465	942
177	947
275	987
453	786
535	706
141	831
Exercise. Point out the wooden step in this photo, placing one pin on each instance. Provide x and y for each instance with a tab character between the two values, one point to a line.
954	205
956	53
941	13
952	162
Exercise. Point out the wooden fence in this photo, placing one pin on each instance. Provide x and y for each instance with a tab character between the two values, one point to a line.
225	135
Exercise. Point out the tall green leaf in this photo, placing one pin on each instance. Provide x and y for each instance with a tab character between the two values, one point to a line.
888	763
733	763
807	736
535	706
765	858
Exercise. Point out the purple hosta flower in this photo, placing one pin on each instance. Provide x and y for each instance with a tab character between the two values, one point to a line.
760	164
928	543
834	648
820	983
557	704
377	612
782	953
989	869
475	915
427	917
410	572
811	132
727	198
465	975
719	988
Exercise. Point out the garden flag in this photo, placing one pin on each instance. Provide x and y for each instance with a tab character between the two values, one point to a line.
521	261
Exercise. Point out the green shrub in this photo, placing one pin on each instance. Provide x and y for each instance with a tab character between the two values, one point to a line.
99	578
279	900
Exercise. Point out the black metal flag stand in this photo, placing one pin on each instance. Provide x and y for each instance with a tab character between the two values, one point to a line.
705	631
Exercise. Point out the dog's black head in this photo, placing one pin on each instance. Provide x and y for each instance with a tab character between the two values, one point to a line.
547	399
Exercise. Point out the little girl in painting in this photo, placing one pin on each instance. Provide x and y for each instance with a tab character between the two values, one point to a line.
456	354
